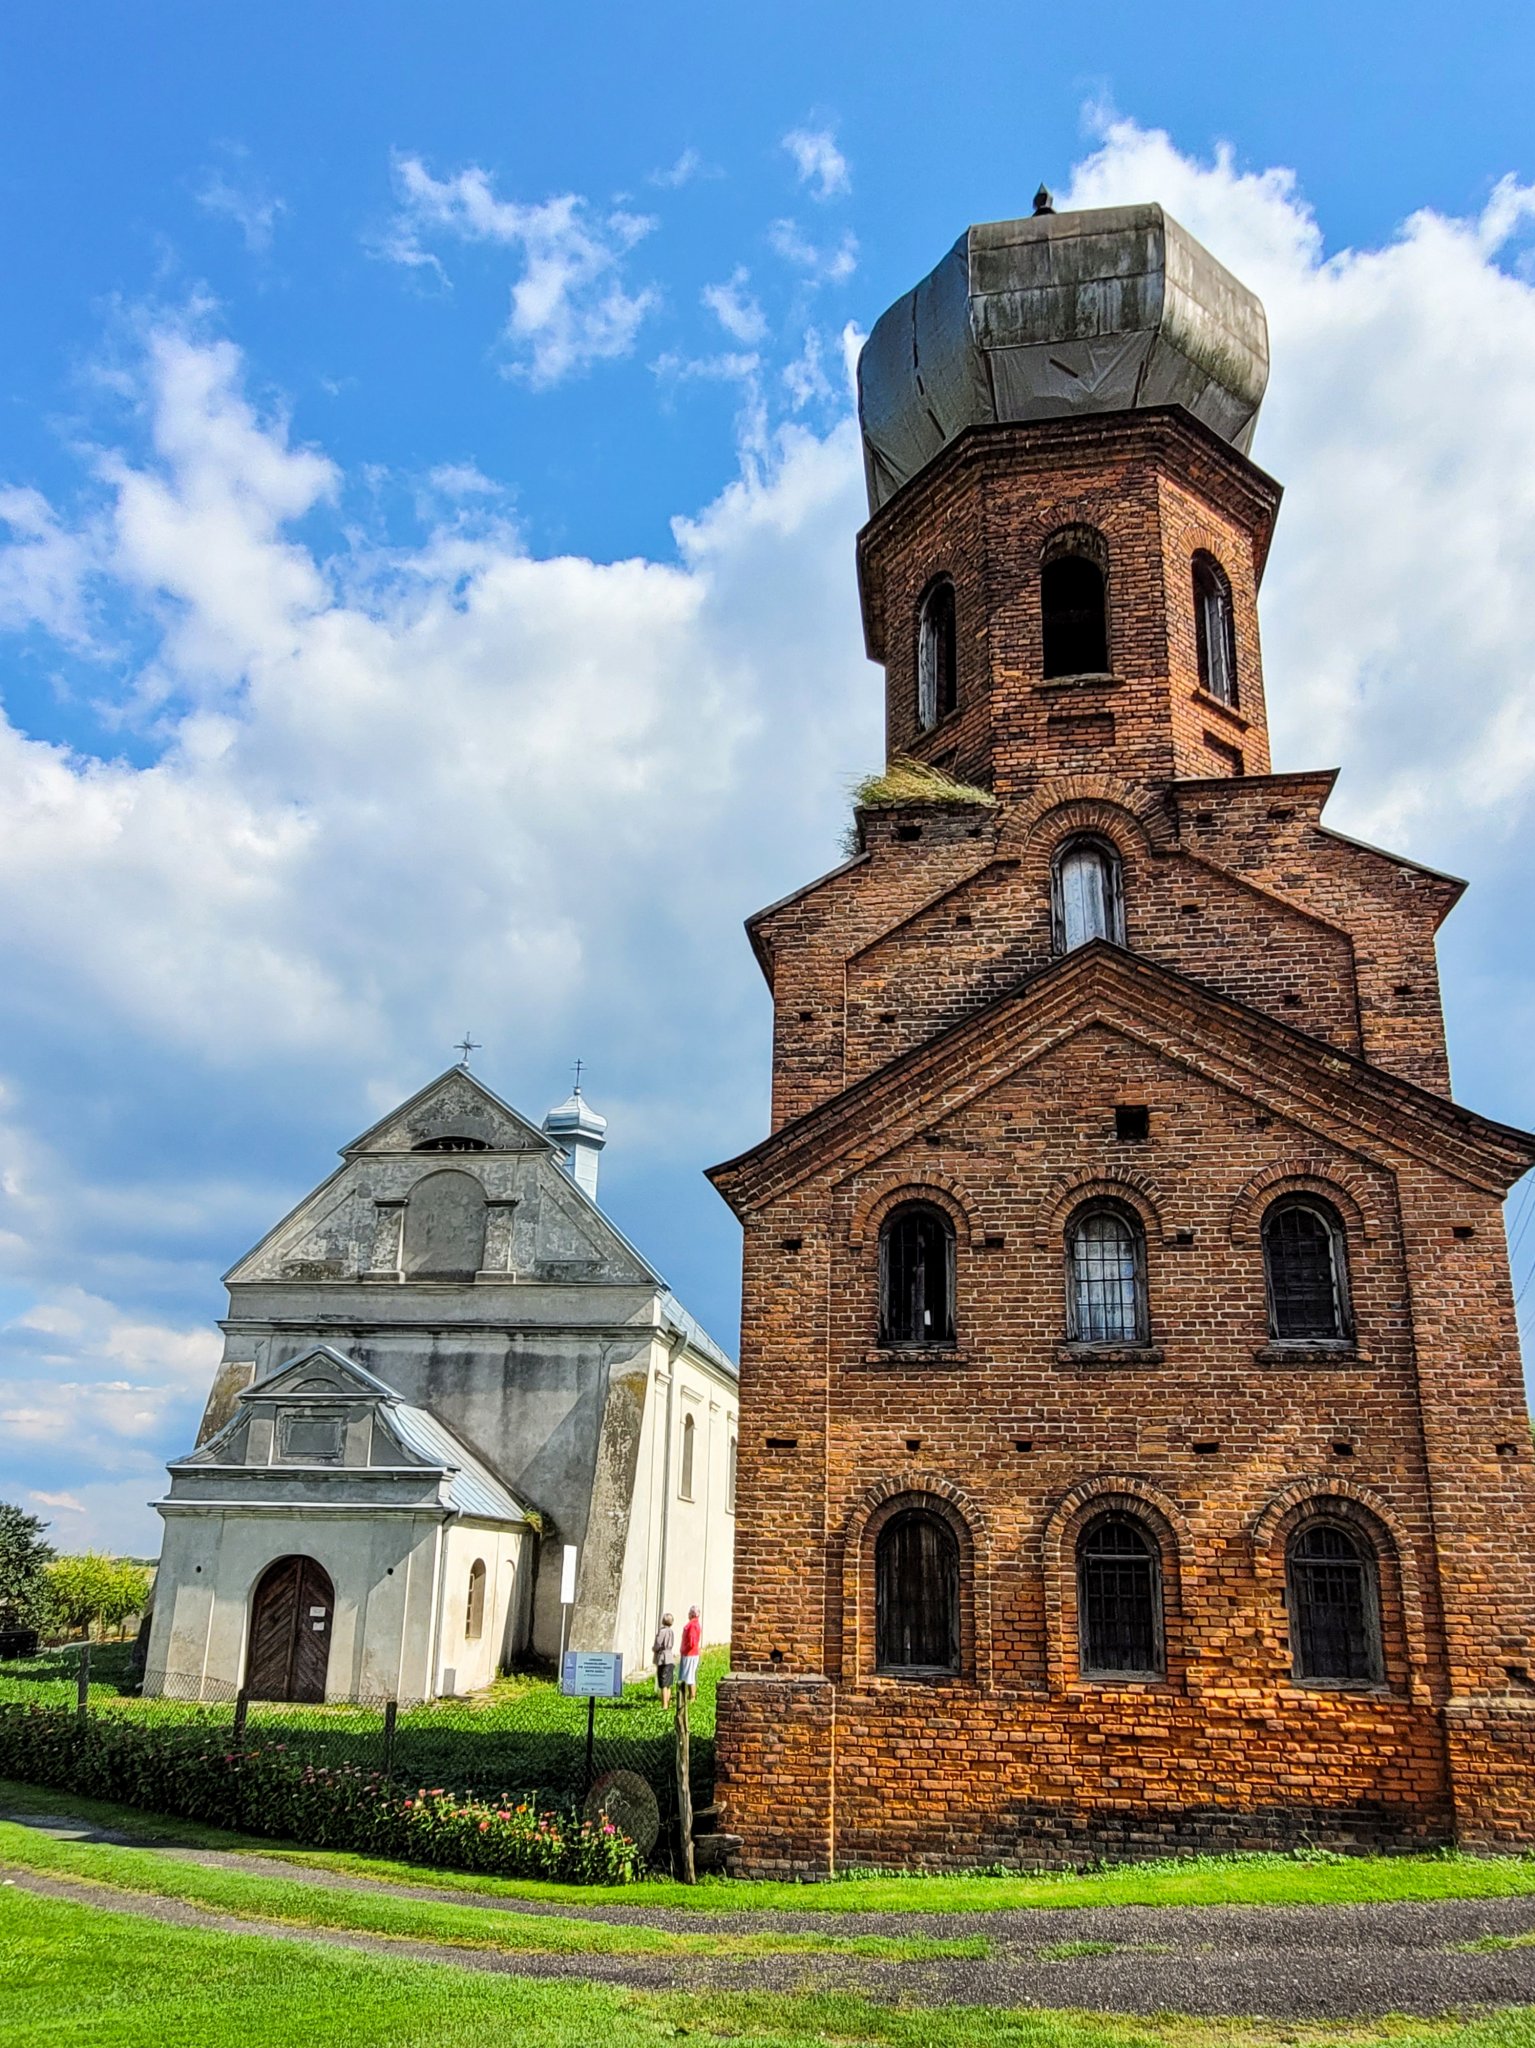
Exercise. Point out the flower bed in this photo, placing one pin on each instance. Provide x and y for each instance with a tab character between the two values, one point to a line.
269	1789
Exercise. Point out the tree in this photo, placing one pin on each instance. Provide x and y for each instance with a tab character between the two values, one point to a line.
93	1588
23	1559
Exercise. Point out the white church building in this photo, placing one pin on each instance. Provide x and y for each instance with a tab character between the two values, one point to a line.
441	1369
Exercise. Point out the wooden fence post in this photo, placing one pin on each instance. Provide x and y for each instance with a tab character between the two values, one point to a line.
391	1714
684	1787
242	1707
83	1681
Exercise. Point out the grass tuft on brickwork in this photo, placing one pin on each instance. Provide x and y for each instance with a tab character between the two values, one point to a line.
904	781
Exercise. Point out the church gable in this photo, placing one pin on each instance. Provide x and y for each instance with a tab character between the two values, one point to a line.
456	1112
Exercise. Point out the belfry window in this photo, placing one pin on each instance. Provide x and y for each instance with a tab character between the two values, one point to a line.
1215	629
916	1276
1106	1277
1119	1601
1307	1273
1087	899
916	1595
1073	598
1330	1581
937	656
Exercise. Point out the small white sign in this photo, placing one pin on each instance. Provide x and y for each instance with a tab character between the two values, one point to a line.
568	1575
592	1674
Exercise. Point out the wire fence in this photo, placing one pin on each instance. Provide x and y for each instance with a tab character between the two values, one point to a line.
522	1737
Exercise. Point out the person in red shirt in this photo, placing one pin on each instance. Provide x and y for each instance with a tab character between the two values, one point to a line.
692	1643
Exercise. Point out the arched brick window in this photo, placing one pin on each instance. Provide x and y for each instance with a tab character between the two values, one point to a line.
1306	1266
1119	1600
1073	599
916	1595
1106	1276
474	1618
916	1275
1086	893
1215	629
937	655
1332	1589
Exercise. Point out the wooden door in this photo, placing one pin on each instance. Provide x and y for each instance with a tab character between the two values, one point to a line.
291	1617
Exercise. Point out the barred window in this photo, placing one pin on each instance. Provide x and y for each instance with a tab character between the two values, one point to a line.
916	1276
937	655
1215	629
916	1594
1307	1271
1087	901
1106	1277
1119	1601
1334	1606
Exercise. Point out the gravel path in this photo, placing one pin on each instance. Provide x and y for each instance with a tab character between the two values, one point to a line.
1280	1962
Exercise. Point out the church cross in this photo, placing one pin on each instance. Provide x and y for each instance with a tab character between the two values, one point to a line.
467	1045
579	1065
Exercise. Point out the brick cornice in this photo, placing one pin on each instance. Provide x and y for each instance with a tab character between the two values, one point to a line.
1231	1045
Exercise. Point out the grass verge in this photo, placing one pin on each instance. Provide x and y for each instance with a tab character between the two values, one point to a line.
74	1974
295	1903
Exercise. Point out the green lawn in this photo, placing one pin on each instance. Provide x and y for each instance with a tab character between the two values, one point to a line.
77	1974
1192	1881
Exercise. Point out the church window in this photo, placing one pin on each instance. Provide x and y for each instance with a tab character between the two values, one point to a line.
1119	1600
1106	1276
445	1227
689	1433
1087	897
916	1595
1215	630
1307	1273
916	1276
730	1477
451	1144
1073	595
474	1618
1334	1606
937	655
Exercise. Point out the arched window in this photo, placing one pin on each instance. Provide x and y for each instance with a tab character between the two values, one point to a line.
685	1483
916	1276
731	1461
1215	629
1334	1605
1119	1601
451	1144
1073	599
1307	1271
474	1617
1106	1276
916	1595
1087	899
937	655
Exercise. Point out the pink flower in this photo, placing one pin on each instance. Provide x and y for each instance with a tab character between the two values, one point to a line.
484	1824
409	1804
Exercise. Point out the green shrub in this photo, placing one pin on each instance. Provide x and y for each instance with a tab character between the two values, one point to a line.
269	1789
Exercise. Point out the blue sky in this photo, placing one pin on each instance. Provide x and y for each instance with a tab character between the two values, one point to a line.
427	502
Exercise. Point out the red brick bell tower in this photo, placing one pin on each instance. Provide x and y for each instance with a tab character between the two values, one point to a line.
1133	1442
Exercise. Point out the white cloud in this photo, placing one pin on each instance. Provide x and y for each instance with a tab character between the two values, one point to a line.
826	264
570	307
462	480
688	167
736	310
818	162
64	1503
244	200
43	569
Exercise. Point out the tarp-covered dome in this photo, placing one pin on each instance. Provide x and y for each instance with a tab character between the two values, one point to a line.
1063	313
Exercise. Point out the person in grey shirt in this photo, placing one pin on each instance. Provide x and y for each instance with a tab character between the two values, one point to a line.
663	1654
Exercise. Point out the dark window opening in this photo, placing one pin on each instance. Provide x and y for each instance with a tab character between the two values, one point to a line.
1215	629
916	1281
451	1145
916	1595
1106	1277
1088	900
474	1613
1307	1278
1334	1606
1074	608
1132	1124
937	656
1119	1601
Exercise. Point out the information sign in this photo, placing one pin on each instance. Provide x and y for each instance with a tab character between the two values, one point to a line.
592	1675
